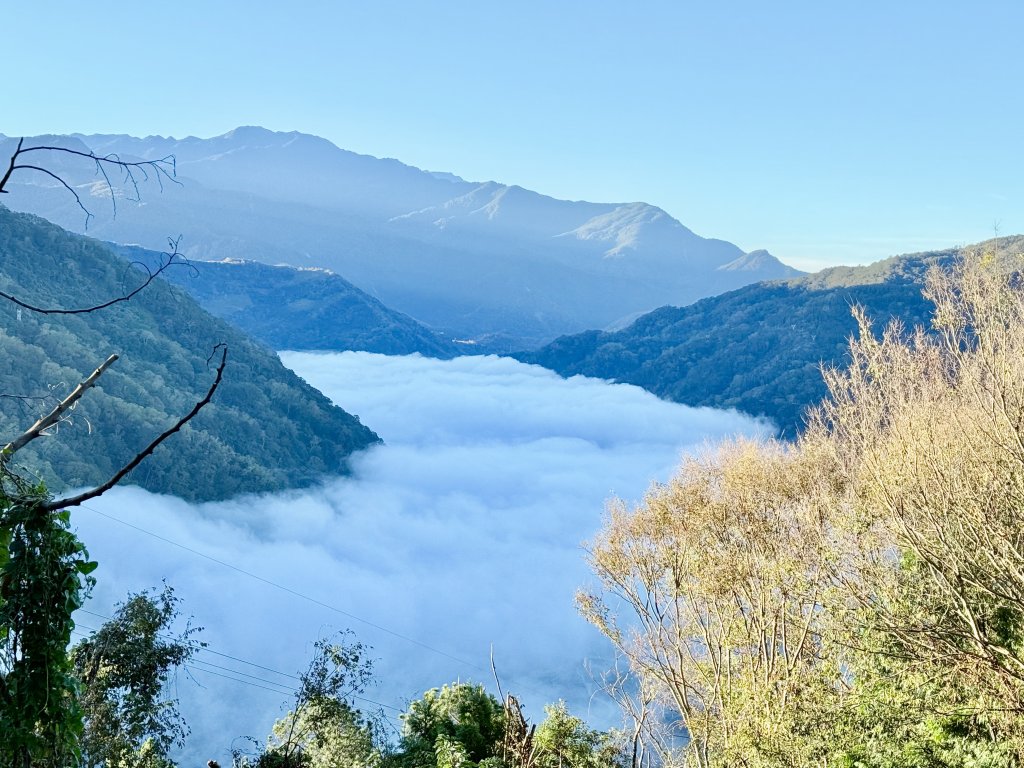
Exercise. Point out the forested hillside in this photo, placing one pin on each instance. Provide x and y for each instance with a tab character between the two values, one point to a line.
265	430
300	309
758	349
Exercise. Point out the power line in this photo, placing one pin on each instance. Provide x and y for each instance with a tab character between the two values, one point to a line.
206	649
285	692
295	593
260	683
289	590
191	668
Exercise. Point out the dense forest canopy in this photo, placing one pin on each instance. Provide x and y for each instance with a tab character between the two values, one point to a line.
758	349
267	429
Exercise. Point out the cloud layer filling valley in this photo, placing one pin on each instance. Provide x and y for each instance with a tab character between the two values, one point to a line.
462	532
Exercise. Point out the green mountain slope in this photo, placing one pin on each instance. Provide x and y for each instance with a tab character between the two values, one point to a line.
757	349
265	430
300	309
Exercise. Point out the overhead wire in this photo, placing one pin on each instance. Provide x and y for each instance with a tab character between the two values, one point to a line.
206	649
282	689
289	590
200	647
298	594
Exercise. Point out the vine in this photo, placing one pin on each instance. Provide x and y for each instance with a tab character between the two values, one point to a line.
44	577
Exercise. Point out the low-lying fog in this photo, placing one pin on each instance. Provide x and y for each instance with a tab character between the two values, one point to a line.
461	534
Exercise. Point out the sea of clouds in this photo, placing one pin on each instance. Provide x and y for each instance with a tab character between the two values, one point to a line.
463	533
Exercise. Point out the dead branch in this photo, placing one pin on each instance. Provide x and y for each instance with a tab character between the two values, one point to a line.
170	258
164	168
55	415
74	501
517	747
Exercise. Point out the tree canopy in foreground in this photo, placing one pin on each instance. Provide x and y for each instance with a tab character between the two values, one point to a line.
855	598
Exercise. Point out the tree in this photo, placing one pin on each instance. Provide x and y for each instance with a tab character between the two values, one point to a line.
325	729
929	431
462	726
455	724
855	598
723	572
564	741
124	670
44	568
44	578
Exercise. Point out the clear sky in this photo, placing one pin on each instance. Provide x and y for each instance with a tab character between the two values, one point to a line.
825	131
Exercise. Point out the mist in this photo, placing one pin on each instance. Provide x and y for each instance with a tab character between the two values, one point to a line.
461	536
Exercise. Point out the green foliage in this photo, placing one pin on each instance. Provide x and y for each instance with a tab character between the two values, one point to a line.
44	577
565	741
323	734
453	722
265	430
462	726
449	753
125	668
325	729
901	715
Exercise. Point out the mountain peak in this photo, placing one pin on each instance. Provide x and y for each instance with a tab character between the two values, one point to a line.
760	260
248	132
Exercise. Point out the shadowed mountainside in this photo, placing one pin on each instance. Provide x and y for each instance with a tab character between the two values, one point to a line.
758	349
299	309
265	430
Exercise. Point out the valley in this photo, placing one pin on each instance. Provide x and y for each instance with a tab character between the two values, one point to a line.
388	455
460	536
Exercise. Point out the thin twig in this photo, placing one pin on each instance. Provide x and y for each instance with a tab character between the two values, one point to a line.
164	168
172	258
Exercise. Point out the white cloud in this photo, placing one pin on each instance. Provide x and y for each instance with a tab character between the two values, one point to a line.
464	530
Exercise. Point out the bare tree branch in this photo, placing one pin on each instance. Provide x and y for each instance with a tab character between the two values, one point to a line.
55	415
68	187
164	168
171	258
10	168
74	501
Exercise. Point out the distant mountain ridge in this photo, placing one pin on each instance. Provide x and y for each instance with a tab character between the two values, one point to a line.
759	349
474	260
310	309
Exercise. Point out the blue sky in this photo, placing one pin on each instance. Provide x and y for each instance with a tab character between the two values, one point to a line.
827	132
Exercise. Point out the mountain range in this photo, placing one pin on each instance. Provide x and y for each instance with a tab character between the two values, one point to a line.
482	267
759	349
498	265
